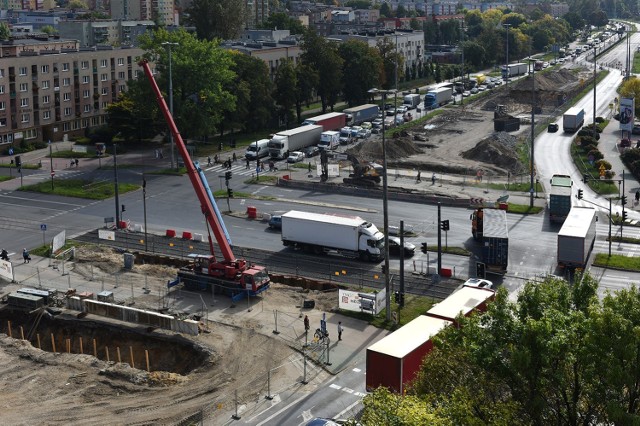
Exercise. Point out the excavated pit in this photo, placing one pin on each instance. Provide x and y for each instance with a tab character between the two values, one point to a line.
169	353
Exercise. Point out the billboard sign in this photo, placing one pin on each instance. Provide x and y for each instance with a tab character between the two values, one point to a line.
627	114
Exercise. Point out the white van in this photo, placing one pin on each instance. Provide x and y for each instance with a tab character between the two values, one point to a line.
259	147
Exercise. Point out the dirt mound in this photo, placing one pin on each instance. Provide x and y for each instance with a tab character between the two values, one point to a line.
498	149
399	146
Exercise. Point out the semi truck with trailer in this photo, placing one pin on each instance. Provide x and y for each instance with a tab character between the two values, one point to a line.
329	140
350	236
513	70
329	121
576	237
411	101
560	198
437	97
286	141
573	119
228	274
360	114
489	226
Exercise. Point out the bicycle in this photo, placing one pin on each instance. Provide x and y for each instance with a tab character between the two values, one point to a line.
319	335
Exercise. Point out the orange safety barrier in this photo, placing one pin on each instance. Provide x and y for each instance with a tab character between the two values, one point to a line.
252	212
186	235
171	233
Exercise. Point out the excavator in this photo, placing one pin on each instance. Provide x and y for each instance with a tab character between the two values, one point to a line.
235	277
363	174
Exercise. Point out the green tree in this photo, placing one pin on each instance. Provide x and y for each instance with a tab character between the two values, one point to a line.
322	55
77	4
282	21
285	90
201	73
48	29
630	88
401	11
474	53
514	19
222	19
392	62
307	78
575	20
133	116
385	10
5	32
358	4
361	70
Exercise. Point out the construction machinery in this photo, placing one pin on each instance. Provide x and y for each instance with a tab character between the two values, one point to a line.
363	174
229	275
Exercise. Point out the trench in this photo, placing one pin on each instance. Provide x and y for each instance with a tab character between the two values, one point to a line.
67	333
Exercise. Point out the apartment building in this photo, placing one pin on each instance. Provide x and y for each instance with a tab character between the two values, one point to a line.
105	31
46	94
272	53
163	12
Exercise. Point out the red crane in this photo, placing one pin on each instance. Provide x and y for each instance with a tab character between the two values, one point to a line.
246	277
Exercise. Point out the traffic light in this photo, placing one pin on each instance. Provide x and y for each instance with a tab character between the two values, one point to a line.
624	200
424	247
480	272
624	215
18	161
227	175
123	209
444	225
230	192
396	297
384	268
579	194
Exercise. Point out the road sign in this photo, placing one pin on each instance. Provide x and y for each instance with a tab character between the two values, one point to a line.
602	169
43	227
53	173
10	151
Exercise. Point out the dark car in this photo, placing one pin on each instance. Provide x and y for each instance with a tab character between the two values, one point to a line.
635	130
553	127
394	247
275	222
311	151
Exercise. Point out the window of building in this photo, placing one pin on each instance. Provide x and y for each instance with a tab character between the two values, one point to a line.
66	81
45	84
120	61
3	105
84	65
67	111
121	88
24	87
66	97
24	102
46	115
3	122
103	77
66	127
31	134
121	75
46	99
1	73
22	71
65	67
86	93
104	105
44	69
85	79
103	63
25	118
105	91
87	108
1	89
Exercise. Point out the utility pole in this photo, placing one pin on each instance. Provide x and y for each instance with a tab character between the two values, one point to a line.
533	130
169	45
507	52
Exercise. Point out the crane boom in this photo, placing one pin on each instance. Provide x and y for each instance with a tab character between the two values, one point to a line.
205	203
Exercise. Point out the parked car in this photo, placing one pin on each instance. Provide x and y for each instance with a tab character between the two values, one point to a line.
377	123
388	106
478	283
401	109
389	122
482	88
635	130
364	133
295	157
275	222
399	120
391	112
474	90
545	64
311	151
497	81
394	247
466	94
366	125
553	127
355	130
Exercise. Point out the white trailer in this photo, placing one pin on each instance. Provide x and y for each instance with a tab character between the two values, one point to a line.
576	237
411	101
350	236
293	140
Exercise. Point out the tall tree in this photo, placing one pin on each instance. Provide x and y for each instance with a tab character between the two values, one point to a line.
392	61
285	91
307	79
5	32
223	19
362	71
322	55
282	21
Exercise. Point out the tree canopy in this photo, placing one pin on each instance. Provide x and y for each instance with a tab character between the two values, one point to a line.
223	19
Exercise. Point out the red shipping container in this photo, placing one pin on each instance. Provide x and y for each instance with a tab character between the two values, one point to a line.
395	360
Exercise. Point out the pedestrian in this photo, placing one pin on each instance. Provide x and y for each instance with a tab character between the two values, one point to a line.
72	163
248	164
25	256
161	154
234	157
155	152
208	161
262	166
433	179
4	255
340	330
638	196
418	180
306	324
309	169
77	161
229	164
215	159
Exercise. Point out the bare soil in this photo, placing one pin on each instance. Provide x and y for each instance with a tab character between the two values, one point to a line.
233	354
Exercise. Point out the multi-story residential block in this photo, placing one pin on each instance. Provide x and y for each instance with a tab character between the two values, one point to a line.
257	12
35	18
364	16
270	52
111	32
160	11
48	90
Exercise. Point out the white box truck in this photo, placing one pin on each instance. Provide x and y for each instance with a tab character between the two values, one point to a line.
438	97
411	101
576	237
293	140
329	140
573	119
350	236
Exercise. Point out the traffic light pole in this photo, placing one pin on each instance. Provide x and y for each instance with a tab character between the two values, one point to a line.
624	201
439	241
401	268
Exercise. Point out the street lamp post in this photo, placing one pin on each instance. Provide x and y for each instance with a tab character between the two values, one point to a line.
533	132
462	67
115	182
395	98
169	45
385	206
507	53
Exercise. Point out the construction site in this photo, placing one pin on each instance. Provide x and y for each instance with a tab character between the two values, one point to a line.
61	365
